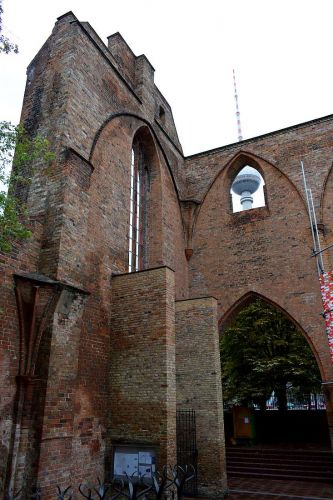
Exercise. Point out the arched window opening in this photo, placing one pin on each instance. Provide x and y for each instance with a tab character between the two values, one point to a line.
247	190
138	210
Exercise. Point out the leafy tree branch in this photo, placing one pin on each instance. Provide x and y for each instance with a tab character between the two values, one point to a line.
19	153
262	352
6	45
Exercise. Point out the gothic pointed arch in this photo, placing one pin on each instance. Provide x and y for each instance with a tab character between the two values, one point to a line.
163	240
252	296
144	122
128	176
241	159
270	173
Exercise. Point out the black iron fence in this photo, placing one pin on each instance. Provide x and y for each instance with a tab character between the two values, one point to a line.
295	401
187	452
169	483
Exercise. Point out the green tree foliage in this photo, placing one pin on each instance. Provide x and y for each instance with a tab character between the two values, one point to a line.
6	45
21	153
261	352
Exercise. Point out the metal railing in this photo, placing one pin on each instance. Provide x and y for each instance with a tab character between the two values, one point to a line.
169	483
297	402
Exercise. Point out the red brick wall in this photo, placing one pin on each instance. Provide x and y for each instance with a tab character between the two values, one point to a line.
142	363
265	251
25	254
90	103
80	213
326	217
199	386
62	450
23	258
284	149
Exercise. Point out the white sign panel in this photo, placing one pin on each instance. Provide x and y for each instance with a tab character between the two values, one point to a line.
145	457
126	463
134	462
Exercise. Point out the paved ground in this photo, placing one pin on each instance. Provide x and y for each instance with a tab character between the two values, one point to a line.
242	488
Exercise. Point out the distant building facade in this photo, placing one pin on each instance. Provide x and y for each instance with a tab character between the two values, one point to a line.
111	311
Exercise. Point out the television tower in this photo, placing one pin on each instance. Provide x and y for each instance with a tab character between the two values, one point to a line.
240	137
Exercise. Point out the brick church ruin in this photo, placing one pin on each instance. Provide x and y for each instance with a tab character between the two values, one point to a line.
111	311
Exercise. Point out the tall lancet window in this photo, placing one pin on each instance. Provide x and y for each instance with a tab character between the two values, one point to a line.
138	210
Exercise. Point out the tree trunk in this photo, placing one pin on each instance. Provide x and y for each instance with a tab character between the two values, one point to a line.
262	403
281	395
309	402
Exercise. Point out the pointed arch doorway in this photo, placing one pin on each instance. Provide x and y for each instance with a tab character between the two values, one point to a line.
269	367
273	403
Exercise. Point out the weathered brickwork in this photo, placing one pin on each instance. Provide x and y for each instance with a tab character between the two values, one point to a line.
199	386
106	343
23	258
142	377
266	251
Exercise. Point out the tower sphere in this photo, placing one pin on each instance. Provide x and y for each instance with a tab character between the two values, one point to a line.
245	185
246	182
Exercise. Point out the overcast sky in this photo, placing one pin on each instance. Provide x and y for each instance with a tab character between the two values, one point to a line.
281	51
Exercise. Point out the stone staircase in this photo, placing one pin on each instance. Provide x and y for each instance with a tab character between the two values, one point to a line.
262	463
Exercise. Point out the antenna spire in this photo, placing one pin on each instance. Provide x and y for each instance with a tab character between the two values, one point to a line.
240	137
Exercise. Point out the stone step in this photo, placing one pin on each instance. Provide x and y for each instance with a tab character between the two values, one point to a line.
286	467
304	465
299	462
289	477
283	471
279	452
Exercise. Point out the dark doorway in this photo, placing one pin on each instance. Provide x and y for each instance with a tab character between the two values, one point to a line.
187	446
